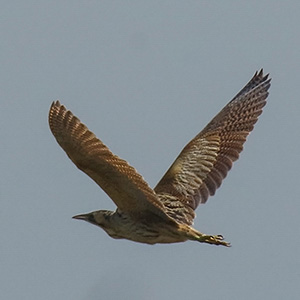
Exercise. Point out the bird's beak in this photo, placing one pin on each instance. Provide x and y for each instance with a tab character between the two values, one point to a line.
86	217
81	217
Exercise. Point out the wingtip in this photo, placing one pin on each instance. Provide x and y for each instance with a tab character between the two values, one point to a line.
55	103
261	75
55	107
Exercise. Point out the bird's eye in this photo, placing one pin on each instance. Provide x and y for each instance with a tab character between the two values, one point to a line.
92	218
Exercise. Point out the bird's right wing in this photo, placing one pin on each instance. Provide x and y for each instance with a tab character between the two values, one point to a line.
204	162
115	176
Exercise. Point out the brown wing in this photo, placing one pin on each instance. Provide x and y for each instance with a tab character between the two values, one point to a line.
202	165
115	176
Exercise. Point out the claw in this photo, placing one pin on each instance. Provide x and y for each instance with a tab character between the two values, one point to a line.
195	235
219	240
214	240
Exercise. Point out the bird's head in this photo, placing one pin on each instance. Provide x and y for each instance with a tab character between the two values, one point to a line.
100	218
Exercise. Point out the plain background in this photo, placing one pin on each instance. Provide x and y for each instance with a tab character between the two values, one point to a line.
146	77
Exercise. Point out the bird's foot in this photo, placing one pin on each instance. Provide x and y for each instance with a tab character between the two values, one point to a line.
213	239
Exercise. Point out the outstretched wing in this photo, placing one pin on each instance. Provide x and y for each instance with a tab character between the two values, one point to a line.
204	162
115	176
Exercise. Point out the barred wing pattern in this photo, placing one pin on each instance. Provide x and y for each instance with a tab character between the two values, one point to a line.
204	162
115	176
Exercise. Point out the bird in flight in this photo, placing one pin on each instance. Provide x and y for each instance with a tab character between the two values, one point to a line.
164	214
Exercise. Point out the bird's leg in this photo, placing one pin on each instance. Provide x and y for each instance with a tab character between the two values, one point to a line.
212	239
193	234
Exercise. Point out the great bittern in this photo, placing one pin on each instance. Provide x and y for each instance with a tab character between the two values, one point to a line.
165	214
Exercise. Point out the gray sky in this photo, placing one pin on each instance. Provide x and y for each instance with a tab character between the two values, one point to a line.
146	77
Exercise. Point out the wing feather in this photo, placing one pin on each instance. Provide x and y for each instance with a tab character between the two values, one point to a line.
204	162
115	176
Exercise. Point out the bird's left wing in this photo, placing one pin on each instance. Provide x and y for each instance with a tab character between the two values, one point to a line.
205	161
115	176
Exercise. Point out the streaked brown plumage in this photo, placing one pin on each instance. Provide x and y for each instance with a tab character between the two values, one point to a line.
165	214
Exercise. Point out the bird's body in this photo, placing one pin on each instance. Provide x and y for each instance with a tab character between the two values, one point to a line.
163	214
148	230
118	225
